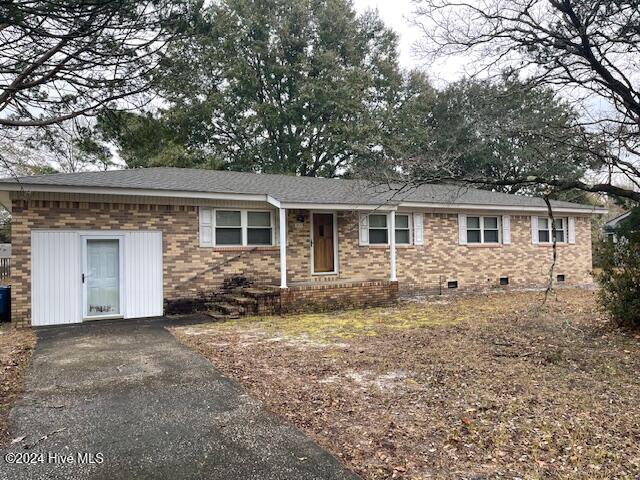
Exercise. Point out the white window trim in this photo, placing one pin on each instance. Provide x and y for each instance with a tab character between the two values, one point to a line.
410	227
211	211
482	229
272	226
243	221
549	229
386	227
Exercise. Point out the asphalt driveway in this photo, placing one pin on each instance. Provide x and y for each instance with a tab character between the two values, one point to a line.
126	400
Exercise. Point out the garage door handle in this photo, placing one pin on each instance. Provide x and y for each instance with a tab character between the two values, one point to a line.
83	278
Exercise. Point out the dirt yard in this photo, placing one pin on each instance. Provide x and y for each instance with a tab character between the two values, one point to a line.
16	346
474	387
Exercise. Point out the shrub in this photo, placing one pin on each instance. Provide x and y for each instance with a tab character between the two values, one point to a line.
620	281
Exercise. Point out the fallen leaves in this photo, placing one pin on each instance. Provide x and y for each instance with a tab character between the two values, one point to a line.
474	387
16	346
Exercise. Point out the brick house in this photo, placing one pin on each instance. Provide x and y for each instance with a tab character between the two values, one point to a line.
121	243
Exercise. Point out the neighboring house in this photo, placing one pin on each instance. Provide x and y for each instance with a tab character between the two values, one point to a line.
609	228
120	243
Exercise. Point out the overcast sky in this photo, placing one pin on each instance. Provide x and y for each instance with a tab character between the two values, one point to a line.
396	14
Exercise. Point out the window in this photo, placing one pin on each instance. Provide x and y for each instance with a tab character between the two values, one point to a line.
483	230
235	227
259	231
558	233
403	231
558	229
474	232
228	227
543	230
378	229
490	230
375	229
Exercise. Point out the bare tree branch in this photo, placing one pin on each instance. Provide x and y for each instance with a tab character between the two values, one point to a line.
586	50
60	60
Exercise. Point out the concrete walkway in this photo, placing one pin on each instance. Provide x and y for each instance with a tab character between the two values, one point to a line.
130	398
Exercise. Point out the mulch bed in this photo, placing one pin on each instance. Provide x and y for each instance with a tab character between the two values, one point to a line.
16	346
473	387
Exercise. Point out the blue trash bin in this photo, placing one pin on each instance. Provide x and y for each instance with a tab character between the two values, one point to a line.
5	304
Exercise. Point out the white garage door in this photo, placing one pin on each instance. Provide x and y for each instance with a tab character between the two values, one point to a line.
143	274
56	282
58	270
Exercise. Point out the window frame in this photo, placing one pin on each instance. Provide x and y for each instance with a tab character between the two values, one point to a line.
244	226
387	227
216	227
481	228
551	230
249	227
409	227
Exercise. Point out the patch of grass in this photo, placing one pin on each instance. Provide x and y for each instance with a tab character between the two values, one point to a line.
344	325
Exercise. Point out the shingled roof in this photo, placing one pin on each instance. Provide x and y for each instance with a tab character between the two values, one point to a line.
283	188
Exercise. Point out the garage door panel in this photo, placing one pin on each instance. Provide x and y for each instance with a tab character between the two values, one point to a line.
143	274
56	296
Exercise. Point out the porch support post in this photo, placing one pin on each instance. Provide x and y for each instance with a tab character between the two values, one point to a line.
392	246
283	247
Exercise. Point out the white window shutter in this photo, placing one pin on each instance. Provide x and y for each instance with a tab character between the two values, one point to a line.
462	229
534	230
364	229
572	230
206	226
506	229
418	229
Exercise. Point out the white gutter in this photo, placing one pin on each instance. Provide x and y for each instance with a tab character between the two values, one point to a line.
276	203
247	197
501	208
338	206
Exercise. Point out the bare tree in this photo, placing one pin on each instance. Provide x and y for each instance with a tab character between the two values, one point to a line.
588	50
60	59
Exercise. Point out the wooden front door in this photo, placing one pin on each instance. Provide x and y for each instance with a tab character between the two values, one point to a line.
323	247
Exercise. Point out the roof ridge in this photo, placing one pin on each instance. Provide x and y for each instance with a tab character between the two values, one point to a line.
181	169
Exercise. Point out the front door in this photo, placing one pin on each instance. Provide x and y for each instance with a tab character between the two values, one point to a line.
323	247
102	277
